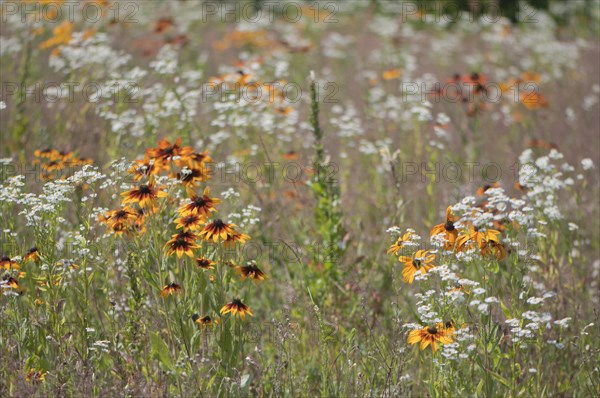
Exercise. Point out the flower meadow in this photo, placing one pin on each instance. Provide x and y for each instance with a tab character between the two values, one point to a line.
314	199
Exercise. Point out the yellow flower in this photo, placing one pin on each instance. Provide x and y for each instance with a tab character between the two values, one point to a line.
143	168
391	74
236	237
170	289
200	205
182	243
189	222
396	247
205	263
236	307
431	335
144	195
35	376
118	220
217	230
191	176
32	255
493	247
61	35
204	321
446	229
251	271
420	262
476	236
164	152
7	263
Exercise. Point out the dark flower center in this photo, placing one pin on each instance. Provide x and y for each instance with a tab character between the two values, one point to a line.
449	226
200	202
145	189
181	241
168	151
417	263
237	303
431	330
218	223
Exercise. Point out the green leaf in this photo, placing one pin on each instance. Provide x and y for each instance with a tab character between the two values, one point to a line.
499	378
495	267
160	351
479	387
505	310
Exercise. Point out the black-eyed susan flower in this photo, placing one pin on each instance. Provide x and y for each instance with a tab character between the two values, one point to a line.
205	263
170	289
7	263
399	244
47	153
143	169
217	229
421	262
32	254
139	224
494	248
190	222
10	282
476	236
236	237
165	151
236	307
182	243
449	327
193	159
459	288
118	219
430	335
447	230
79	161
251	271
200	205
204	321
35	376
145	195
53	166
191	176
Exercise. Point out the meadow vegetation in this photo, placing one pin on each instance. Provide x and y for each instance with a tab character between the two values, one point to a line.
333	199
